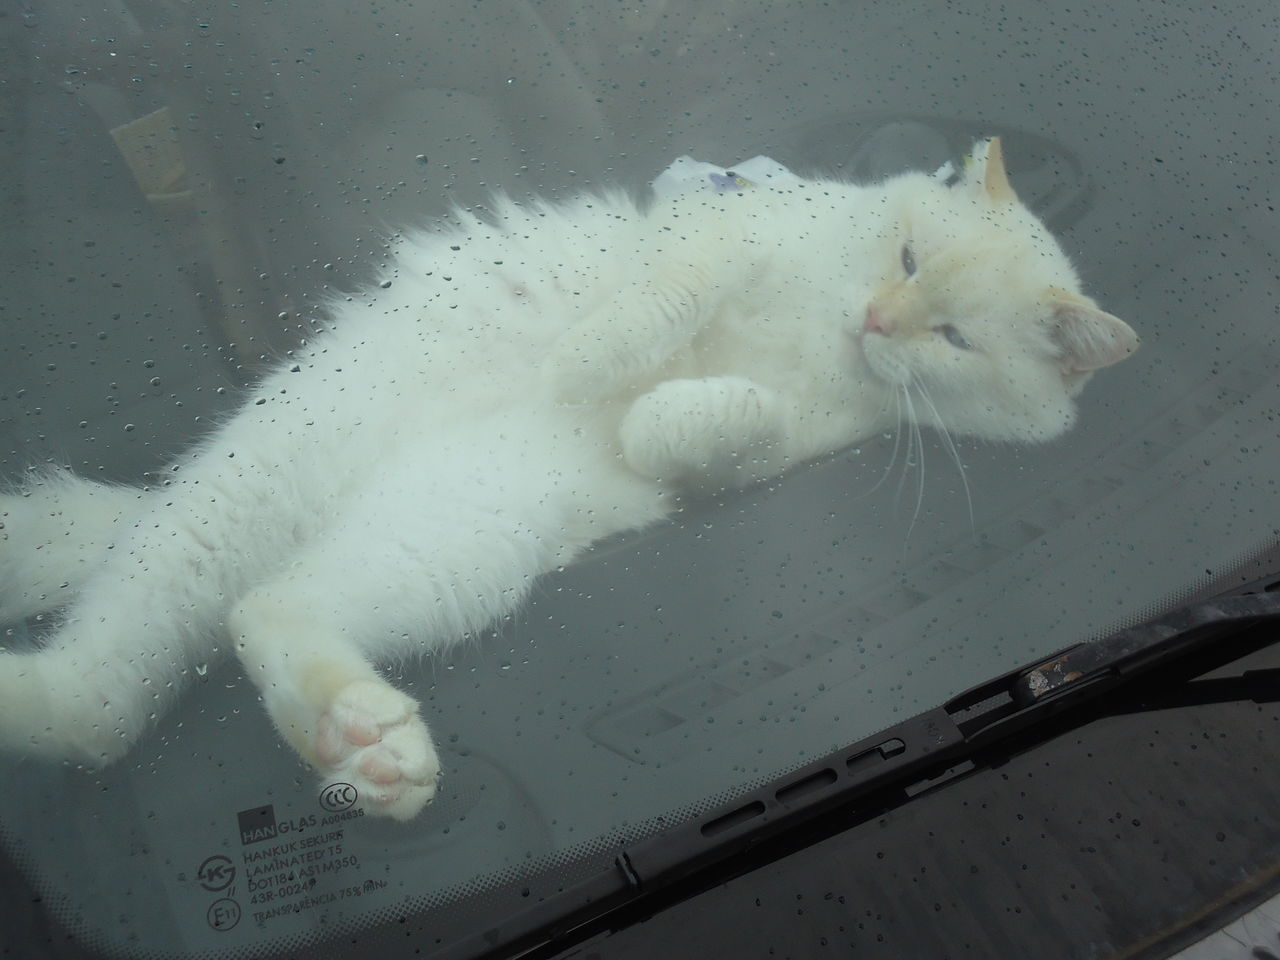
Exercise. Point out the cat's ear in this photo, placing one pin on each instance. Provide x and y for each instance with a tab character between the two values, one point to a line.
986	168
1090	338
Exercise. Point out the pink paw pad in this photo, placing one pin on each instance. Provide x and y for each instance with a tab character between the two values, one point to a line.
372	737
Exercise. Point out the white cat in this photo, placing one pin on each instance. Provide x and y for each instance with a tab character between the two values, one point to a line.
518	387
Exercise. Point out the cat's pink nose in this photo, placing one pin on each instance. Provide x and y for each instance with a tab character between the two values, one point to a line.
874	323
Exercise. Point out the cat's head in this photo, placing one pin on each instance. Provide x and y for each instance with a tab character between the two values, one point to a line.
980	310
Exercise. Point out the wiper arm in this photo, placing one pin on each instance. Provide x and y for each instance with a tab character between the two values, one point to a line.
885	770
1258	686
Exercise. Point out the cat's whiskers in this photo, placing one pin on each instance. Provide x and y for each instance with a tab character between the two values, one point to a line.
897	441
907	422
919	443
915	454
949	443
904	417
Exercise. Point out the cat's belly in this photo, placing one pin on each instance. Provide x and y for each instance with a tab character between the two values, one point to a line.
560	465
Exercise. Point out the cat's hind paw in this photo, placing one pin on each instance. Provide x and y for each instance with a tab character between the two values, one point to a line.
372	738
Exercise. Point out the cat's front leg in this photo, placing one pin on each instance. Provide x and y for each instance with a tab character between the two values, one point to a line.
708	434
627	340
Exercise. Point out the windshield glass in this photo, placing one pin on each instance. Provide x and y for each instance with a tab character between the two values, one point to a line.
421	572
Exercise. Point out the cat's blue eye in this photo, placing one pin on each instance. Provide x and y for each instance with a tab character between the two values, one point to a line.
908	260
954	337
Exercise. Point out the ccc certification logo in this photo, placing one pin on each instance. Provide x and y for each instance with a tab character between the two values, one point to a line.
338	796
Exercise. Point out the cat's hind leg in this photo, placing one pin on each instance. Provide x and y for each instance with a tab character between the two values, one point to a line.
329	702
378	585
627	339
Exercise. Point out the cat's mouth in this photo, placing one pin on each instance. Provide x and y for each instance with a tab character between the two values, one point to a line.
878	353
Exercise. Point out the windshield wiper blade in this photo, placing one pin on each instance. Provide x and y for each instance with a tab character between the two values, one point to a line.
1141	647
1089	670
887	769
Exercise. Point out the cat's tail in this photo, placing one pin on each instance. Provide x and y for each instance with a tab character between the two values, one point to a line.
144	607
62	704
53	533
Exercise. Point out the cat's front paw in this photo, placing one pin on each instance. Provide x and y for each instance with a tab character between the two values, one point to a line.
372	738
706	434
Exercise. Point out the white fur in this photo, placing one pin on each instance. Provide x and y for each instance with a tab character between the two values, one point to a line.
525	385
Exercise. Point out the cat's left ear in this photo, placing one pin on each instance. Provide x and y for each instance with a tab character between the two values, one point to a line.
1090	338
986	167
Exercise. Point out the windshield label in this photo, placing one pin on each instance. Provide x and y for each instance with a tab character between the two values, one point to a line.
287	864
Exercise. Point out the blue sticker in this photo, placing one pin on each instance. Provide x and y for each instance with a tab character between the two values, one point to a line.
728	181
